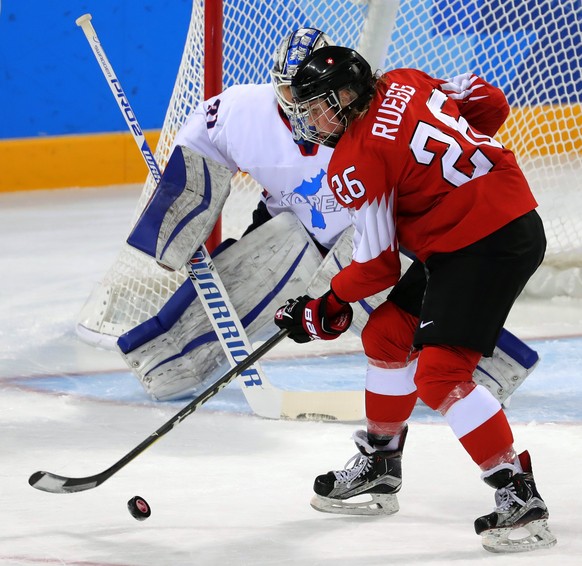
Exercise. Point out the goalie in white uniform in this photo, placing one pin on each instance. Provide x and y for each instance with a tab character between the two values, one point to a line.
283	253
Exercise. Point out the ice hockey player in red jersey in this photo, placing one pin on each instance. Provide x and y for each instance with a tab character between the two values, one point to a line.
416	165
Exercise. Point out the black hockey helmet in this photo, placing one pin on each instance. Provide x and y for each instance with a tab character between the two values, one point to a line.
323	75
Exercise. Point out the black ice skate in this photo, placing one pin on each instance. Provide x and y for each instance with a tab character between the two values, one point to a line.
517	505
374	474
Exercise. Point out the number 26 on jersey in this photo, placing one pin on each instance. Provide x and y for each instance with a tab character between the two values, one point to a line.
346	187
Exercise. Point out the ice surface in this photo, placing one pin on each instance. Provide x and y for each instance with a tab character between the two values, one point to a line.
225	486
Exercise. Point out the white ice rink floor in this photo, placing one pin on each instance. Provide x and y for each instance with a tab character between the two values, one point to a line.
225	486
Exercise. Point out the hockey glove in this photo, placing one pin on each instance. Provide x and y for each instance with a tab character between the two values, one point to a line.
314	319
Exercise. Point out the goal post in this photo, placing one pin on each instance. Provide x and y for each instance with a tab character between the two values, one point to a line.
213	77
531	49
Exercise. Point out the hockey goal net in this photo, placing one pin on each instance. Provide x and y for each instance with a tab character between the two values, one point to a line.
531	49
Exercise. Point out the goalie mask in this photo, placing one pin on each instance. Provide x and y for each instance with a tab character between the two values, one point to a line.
329	88
289	55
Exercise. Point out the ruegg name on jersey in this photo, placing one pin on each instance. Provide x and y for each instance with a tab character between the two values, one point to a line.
389	114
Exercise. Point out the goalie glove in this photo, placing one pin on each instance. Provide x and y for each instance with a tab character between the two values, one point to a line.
314	319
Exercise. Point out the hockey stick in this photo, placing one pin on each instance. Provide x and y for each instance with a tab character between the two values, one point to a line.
264	399
53	483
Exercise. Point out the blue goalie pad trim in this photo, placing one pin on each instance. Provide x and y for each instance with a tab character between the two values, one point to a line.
162	322
254	313
204	203
480	368
144	235
246	320
516	349
168	315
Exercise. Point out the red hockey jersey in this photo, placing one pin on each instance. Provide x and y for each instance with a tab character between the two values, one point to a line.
421	170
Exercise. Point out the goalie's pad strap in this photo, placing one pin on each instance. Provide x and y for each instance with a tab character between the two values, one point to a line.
176	351
183	209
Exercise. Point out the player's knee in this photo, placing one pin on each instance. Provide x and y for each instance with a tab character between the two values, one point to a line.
441	374
388	334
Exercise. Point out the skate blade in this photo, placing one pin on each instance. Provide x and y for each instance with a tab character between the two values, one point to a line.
539	536
376	504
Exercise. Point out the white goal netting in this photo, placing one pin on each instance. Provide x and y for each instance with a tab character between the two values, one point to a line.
531	49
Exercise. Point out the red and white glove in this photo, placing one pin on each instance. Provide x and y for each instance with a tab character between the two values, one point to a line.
314	319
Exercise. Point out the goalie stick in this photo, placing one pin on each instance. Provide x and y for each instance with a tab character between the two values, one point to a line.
53	483
263	397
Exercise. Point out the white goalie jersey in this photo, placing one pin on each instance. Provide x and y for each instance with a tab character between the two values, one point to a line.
228	128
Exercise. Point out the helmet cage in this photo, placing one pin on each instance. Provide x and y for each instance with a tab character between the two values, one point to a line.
319	110
282	82
339	77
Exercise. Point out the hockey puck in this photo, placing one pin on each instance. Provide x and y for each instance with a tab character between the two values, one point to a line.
139	508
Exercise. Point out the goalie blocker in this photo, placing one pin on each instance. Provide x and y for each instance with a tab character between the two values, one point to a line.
183	209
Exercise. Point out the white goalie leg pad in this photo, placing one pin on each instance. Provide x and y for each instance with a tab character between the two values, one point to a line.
183	209
512	361
176	353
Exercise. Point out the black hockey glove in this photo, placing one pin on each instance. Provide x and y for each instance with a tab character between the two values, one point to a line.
314	319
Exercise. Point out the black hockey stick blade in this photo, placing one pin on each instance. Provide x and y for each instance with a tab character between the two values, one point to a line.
46	481
53	483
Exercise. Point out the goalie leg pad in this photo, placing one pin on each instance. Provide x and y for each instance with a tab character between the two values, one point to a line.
177	352
183	209
512	361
